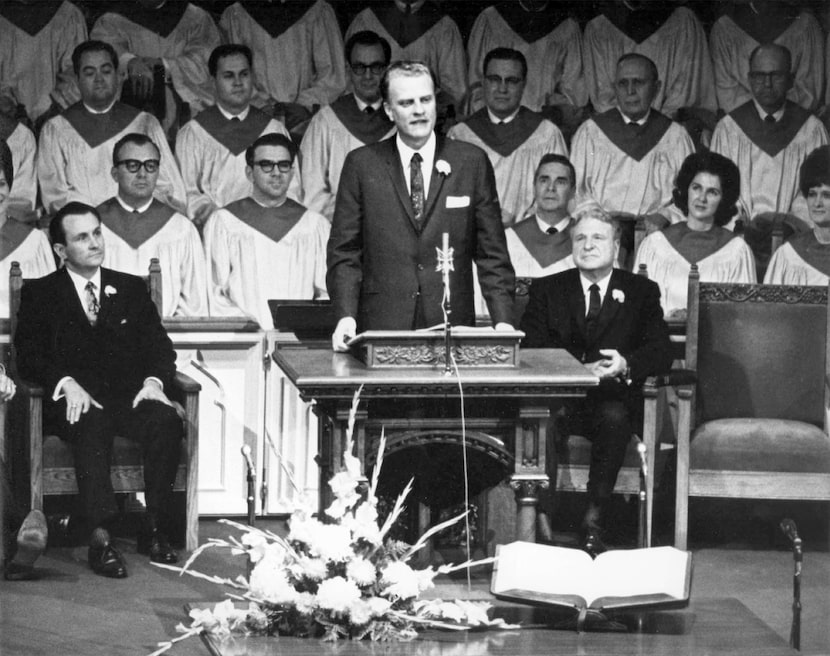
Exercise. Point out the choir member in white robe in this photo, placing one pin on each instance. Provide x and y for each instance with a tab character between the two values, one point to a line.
304	33
351	121
769	136
738	32
23	146
36	54
265	245
672	37
707	191
550	40
513	136
19	242
75	151
177	36
137	227
626	158
805	259
211	147
419	30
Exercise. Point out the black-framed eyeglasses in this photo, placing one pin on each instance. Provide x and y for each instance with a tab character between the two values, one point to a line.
775	77
375	67
266	165
509	81
132	165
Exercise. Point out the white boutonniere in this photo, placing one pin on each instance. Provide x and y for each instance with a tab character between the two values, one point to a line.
618	295
109	290
443	167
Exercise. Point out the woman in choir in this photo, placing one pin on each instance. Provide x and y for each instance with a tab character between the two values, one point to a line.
19	242
706	191
805	259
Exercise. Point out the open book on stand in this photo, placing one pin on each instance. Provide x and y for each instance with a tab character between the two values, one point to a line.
620	579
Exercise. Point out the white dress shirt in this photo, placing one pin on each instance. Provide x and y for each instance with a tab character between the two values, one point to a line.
427	152
603	289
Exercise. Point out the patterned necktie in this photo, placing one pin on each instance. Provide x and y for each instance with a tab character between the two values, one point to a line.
594	305
92	306
769	119
416	184
369	110
551	231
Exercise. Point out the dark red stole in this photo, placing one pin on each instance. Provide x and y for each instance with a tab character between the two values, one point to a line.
273	222
368	128
407	28
766	24
235	136
160	21
7	126
544	248
531	26
641	24
772	139
135	229
277	17
95	129
694	245
12	234
505	138
636	141
30	18
814	253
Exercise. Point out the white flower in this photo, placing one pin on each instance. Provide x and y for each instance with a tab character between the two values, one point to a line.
443	167
309	568
305	603
360	612
337	594
364	523
109	290
379	606
618	295
361	571
269	581
402	581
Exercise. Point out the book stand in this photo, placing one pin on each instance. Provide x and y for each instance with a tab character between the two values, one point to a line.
592	620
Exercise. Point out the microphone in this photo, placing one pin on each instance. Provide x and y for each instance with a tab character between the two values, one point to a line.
641	451
789	529
246	453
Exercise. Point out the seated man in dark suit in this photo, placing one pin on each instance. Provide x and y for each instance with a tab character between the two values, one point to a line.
93	339
612	321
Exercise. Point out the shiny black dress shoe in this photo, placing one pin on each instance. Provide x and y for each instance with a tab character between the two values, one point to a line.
592	543
158	548
104	559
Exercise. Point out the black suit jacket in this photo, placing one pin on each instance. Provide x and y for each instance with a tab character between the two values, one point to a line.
630	321
110	360
378	263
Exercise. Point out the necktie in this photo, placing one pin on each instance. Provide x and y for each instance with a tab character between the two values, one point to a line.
92	306
770	119
235	119
369	110
594	304
416	186
551	231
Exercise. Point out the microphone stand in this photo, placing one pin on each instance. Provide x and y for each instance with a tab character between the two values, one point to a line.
790	530
643	538
246	453
444	266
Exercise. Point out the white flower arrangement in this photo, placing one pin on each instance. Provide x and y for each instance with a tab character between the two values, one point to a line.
109	290
443	167
333	577
618	295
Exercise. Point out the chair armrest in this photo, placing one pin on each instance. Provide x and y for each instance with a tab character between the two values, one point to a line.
675	378
29	389
186	384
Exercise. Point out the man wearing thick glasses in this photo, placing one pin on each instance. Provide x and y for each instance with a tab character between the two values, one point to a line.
137	227
265	245
351	121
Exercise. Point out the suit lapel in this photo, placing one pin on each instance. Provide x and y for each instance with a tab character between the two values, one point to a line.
576	303
610	306
395	170
436	180
104	300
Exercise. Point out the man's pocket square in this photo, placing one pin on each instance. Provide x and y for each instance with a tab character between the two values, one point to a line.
123	321
457	201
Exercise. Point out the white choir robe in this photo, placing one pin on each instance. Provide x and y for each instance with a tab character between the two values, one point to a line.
22	144
803	260
724	257
28	246
247	267
554	61
36	70
181	256
620	183
214	174
515	170
316	74
678	48
769	179
71	169
440	47
325	145
184	51
731	47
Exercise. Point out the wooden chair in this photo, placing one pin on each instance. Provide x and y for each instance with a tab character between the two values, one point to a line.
47	460
755	423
